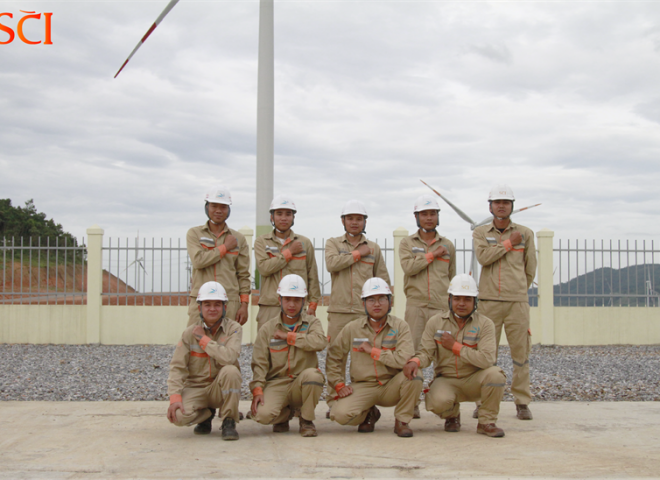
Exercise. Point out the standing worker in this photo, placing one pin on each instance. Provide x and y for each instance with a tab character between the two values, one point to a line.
281	253
461	345
428	261
202	375
507	255
285	374
380	345
351	260
219	254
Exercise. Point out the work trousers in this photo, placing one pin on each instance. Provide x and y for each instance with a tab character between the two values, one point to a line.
417	317
446	394
514	316
281	395
232	307
266	313
398	392
336	322
223	393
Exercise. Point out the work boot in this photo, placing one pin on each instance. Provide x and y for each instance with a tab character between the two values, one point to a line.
307	428
370	422
475	414
490	429
204	428
523	412
453	424
281	427
249	415
402	429
229	429
416	412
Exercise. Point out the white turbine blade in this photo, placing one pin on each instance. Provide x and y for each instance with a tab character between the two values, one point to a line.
525	208
169	7
490	219
460	213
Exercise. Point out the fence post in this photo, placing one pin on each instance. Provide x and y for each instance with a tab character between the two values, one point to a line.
94	283
250	327
546	289
399	296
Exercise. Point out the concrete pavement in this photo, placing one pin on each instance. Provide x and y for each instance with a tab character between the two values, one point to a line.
71	440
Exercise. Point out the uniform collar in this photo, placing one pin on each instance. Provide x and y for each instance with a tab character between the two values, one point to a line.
447	315
494	228
207	227
362	239
222	327
416	235
300	321
292	235
365	322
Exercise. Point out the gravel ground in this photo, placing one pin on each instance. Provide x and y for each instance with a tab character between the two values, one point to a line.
130	373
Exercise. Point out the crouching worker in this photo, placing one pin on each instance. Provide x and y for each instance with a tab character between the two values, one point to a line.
461	345
380	345
202	372
285	374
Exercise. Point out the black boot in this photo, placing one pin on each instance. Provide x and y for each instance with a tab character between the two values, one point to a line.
229	429
204	428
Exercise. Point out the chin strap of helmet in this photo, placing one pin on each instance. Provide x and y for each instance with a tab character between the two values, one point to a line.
272	222
286	315
423	229
451	308
206	210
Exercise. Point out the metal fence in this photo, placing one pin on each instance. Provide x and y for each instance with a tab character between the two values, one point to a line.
592	274
43	271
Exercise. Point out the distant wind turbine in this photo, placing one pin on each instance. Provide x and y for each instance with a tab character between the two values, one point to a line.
473	263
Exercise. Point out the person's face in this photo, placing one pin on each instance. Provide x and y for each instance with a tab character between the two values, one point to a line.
501	208
462	305
353	223
377	306
428	219
218	212
211	311
283	219
291	306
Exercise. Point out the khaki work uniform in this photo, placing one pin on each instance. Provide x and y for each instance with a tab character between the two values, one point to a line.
507	273
426	280
274	262
348	272
376	378
213	263
466	372
286	371
202	374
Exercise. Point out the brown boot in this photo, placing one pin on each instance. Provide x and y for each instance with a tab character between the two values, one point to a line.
281	427
475	414
523	412
307	428
453	424
369	423
402	429
416	413
490	429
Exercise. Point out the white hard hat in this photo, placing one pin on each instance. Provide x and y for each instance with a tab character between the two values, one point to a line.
463	285
282	202
354	207
426	202
219	194
501	192
292	286
211	291
375	286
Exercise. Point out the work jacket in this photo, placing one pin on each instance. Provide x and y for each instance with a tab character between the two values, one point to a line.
213	263
196	364
507	270
426	279
348	271
274	358
392	347
273	265
474	348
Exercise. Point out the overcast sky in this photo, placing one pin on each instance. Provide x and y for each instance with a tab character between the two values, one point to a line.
561	100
